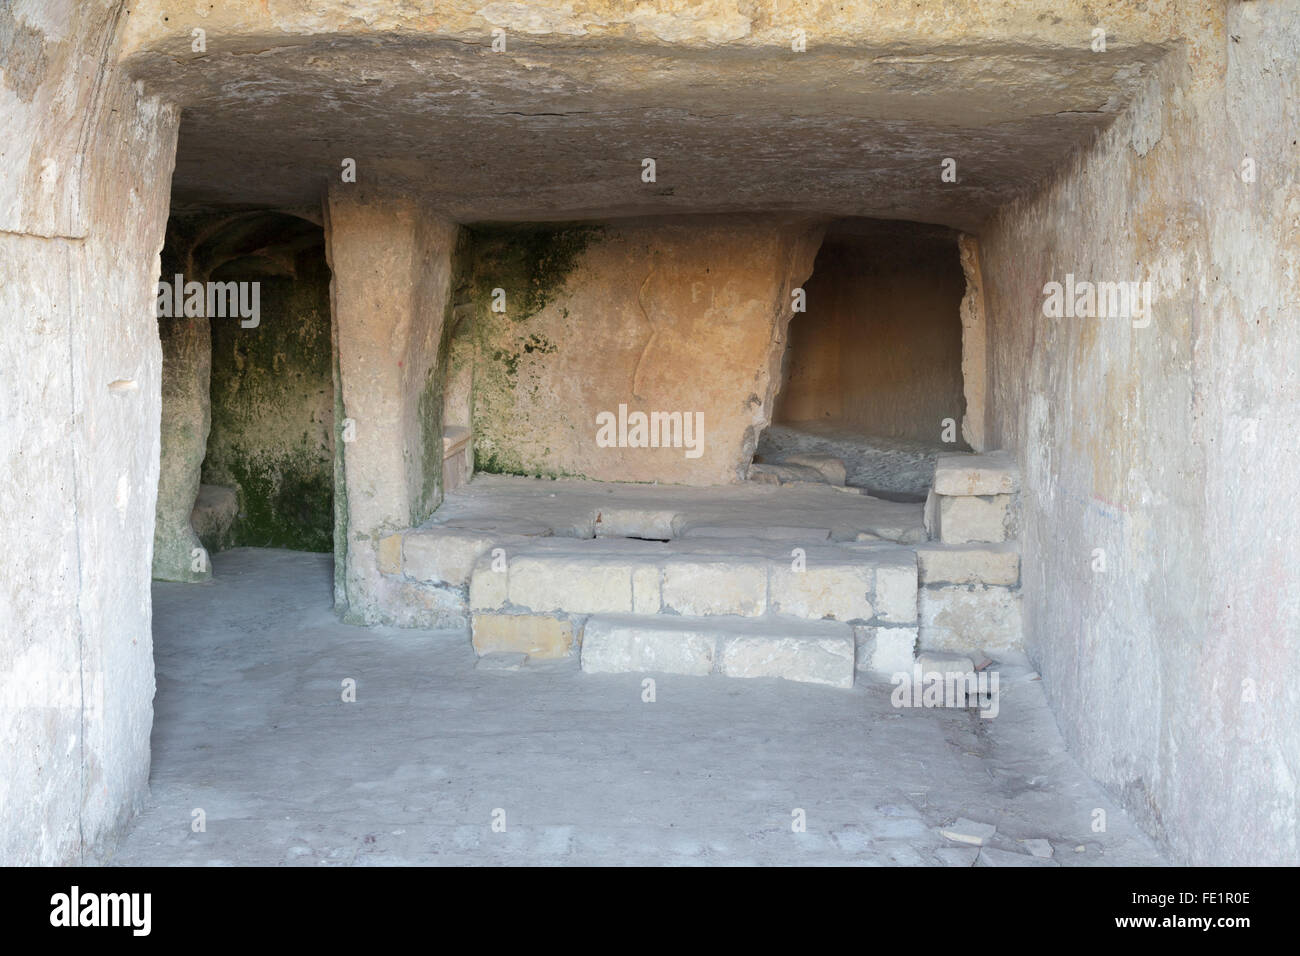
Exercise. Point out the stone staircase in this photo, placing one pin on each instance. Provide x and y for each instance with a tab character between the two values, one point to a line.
656	581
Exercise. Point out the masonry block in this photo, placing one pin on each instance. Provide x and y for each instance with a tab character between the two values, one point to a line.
574	585
443	555
963	520
969	564
972	618
885	650
540	636
993	473
812	660
666	645
839	591
698	588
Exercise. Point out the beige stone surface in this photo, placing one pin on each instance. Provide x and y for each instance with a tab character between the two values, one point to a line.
992	473
840	591
885	651
83	206
685	317
561	120
969	564
668	645
700	587
970	618
537	635
390	260
448	556
966	519
812	660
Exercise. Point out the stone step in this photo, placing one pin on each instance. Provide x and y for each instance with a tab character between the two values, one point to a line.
816	652
859	583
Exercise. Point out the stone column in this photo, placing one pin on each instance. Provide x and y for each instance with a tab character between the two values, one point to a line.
391	264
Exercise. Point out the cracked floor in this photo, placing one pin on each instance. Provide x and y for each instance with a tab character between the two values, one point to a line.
251	729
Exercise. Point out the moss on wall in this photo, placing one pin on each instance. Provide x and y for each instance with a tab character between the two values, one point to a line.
272	436
531	264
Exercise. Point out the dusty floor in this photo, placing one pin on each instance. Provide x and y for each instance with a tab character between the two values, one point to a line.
251	729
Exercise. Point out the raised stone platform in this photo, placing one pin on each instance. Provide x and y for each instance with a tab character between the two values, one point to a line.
806	581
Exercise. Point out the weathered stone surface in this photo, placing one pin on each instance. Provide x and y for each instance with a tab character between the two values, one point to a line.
896	578
391	265
795	656
978	80
537	635
970	618
187	364
215	512
969	564
457	457
992	473
829	467
969	831
488	587
702	587
575	585
684	337
634	523
885	650
966	519
388	554
646	588
839	591
447	556
84	190
669	645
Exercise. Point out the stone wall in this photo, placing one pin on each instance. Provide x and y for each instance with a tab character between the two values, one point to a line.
685	316
85	182
880	347
272	391
1161	594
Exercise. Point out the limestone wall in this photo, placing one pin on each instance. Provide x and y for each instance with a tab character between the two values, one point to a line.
272	392
1167	451
879	349
79	427
683	316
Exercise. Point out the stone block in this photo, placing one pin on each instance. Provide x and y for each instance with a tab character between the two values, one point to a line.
970	618
700	587
654	524
388	554
969	564
964	520
885	650
814	660
831	468
993	473
839	591
667	645
645	589
572	584
444	555
896	587
488	588
540	636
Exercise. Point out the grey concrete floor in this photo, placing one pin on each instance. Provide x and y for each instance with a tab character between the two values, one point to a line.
251	729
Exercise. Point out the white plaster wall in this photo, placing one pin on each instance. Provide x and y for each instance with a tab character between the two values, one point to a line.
79	425
1173	448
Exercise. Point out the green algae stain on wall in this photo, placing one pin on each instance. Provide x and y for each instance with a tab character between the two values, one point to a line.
272	392
531	264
